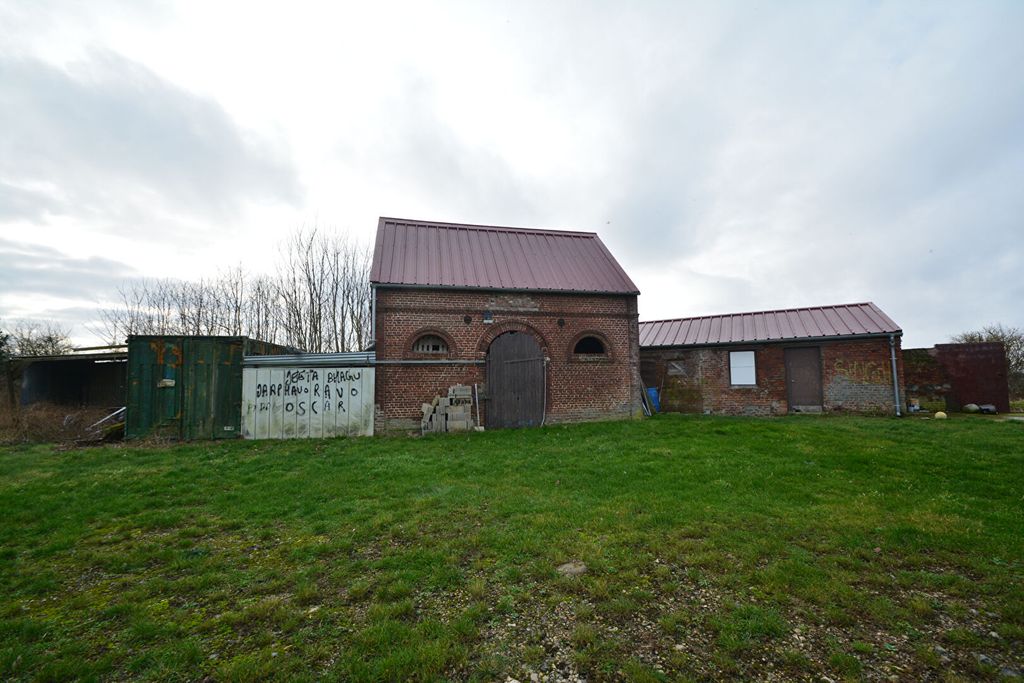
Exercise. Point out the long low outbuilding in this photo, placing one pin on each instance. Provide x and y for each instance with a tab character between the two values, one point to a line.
841	358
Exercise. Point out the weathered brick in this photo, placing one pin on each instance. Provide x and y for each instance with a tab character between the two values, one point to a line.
954	375
856	377
579	388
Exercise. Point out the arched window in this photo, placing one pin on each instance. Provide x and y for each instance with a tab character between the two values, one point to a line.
430	343
589	345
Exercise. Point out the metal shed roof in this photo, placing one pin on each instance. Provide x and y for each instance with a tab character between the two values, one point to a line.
431	254
818	322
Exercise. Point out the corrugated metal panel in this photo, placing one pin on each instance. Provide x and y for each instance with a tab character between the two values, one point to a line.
186	387
110	355
427	254
154	387
311	360
845	320
288	402
213	388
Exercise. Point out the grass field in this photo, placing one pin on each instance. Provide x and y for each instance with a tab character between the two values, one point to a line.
716	548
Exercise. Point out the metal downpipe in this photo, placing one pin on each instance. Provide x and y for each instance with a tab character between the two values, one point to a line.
895	377
544	407
373	316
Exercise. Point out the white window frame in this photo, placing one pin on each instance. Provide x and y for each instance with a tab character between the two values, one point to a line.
742	369
421	344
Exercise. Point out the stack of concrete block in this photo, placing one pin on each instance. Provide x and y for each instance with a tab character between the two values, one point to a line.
460	408
451	413
428	424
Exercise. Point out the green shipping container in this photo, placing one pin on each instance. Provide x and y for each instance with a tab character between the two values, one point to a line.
187	387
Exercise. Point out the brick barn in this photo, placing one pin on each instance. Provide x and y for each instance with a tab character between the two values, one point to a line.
544	322
821	359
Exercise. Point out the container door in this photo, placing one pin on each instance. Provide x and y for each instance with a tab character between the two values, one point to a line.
515	381
213	388
154	387
803	379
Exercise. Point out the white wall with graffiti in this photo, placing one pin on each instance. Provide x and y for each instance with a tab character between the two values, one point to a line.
307	403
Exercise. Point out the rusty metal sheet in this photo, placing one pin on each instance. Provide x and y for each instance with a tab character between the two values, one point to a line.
819	322
187	387
430	254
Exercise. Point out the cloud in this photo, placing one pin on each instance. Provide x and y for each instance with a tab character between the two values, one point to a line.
737	158
106	140
418	153
32	270
732	156
809	154
42	283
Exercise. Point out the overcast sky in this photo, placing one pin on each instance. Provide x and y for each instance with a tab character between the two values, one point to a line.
733	156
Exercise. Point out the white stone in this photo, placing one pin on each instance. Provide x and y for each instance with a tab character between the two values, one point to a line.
572	569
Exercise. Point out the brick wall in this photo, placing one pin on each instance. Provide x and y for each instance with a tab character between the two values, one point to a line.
578	388
856	377
927	382
949	376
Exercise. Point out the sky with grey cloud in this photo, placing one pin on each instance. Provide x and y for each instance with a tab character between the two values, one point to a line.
734	156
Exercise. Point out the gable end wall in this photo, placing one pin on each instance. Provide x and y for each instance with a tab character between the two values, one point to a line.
577	389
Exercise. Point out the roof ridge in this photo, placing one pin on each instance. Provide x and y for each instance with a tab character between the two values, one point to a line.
774	310
477	226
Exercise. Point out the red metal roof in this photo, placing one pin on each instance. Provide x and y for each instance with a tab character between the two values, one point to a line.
845	320
431	254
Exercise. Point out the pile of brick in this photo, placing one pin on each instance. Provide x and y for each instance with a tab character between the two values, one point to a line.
451	413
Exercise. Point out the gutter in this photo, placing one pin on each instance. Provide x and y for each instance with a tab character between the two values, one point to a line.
777	340
428	362
357	359
895	377
373	316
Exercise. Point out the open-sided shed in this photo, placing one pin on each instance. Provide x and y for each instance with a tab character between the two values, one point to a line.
85	380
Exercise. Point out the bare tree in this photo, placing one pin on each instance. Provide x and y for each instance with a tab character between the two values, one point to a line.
230	294
6	349
121	321
147	307
261	312
358	294
317	301
324	290
39	338
7	371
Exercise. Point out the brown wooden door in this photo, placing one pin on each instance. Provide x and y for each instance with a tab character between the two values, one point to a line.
803	378
515	381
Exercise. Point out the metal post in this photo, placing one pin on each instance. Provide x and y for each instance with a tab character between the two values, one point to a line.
373	316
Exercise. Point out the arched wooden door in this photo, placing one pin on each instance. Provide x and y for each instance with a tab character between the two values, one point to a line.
515	381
